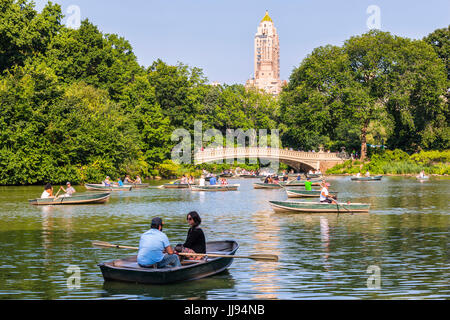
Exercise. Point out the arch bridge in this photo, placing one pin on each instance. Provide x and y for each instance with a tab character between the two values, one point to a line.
296	159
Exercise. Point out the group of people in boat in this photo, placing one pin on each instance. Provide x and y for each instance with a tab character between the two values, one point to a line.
315	172
48	191
155	248
108	183
367	174
187	180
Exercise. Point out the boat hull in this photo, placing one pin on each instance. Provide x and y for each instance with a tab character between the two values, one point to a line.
128	270
99	187
293	193
374	178
317	207
75	199
137	185
267	186
301	183
228	187
177	186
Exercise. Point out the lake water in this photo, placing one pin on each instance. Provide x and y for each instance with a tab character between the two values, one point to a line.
404	239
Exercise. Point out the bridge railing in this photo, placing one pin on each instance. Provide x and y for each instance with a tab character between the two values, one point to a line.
255	152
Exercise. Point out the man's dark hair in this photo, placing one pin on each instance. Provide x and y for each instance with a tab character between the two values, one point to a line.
196	217
156	222
48	186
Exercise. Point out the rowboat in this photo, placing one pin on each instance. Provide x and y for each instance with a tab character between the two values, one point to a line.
374	178
128	270
301	183
83	198
318	207
91	186
294	193
261	185
226	175
248	176
422	178
177	185
137	185
218	187
313	175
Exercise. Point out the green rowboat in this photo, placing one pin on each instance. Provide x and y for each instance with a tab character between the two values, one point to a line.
261	185
374	178
294	193
101	187
83	198
219	187
318	207
301	183
177	185
137	185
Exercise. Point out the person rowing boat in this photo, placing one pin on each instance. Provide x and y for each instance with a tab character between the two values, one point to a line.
324	194
155	249
69	191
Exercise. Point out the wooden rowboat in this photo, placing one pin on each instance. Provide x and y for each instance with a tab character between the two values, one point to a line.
301	183
137	185
261	185
313	175
100	187
177	185
318	207
218	187
295	193
83	198
128	269
374	178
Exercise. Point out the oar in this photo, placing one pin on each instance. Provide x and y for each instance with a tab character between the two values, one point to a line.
58	192
259	256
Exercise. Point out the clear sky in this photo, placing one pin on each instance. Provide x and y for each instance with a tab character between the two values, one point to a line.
217	35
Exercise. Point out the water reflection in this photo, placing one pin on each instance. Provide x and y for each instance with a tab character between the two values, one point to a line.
191	290
265	240
406	234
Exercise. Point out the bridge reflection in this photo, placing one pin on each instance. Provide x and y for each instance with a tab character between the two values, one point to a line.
266	240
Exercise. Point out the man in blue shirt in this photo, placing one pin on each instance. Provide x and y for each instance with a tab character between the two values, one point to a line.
213	180
152	245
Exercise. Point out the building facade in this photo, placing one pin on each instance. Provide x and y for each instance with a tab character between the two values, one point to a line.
267	58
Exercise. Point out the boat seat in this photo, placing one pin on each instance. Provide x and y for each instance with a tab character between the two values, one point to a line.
130	264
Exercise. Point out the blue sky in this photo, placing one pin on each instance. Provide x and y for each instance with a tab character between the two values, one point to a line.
217	35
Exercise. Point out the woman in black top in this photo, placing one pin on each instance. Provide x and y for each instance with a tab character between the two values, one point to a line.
195	241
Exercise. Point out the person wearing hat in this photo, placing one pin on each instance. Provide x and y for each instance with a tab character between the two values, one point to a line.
324	196
154	248
106	182
69	191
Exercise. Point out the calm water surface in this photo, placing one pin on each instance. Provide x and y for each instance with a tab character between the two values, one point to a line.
322	256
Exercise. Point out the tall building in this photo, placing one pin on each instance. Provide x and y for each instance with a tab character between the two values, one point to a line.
267	58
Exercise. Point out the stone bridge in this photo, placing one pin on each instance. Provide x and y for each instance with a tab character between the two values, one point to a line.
300	160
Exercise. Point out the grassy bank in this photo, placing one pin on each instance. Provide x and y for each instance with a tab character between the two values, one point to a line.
398	162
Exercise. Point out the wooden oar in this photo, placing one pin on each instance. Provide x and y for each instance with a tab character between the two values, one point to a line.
259	256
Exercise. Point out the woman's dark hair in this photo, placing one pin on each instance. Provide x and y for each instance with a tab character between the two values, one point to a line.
196	217
48	186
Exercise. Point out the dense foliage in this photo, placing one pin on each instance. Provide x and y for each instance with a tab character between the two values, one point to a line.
376	88
76	105
398	162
